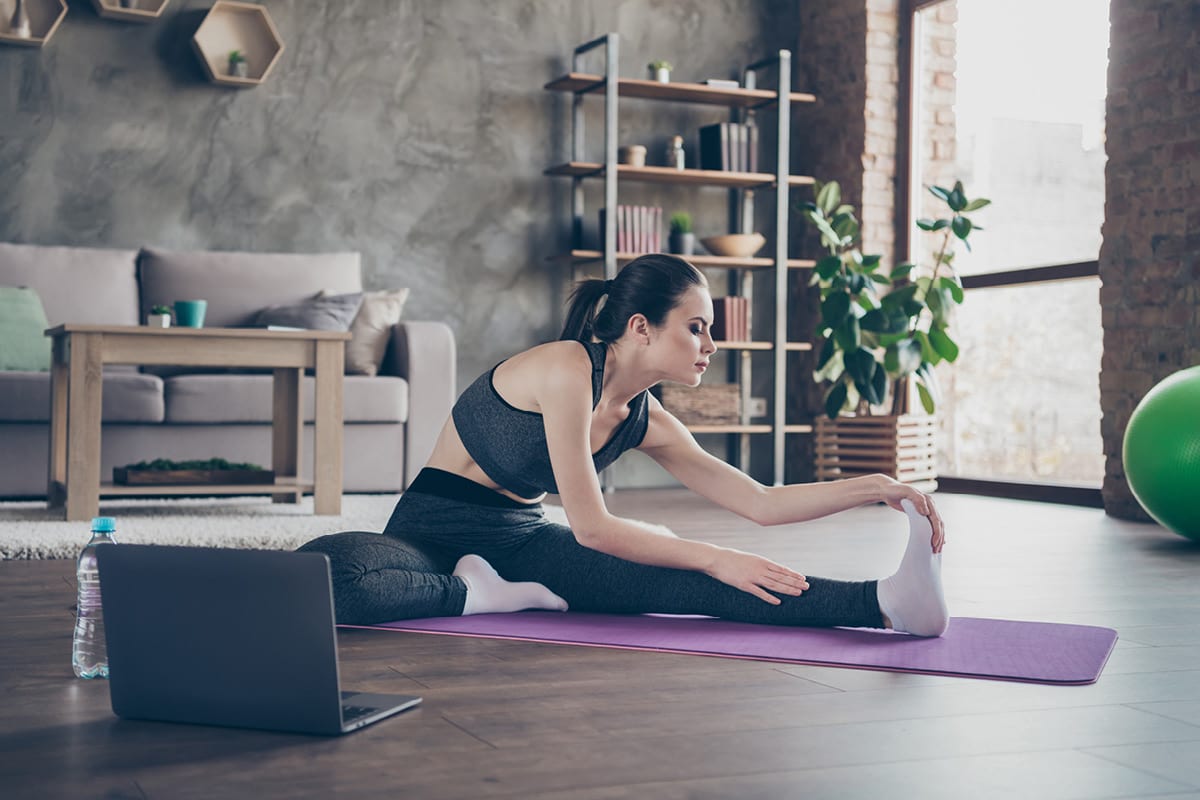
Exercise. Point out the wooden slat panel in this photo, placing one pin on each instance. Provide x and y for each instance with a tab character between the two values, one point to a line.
903	447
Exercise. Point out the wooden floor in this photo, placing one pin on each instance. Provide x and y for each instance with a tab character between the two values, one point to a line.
522	720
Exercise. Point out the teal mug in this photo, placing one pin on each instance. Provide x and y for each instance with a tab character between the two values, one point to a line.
190	313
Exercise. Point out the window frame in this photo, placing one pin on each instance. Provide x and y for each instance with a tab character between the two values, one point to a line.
1066	494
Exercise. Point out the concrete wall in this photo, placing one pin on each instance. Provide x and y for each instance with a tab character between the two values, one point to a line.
413	132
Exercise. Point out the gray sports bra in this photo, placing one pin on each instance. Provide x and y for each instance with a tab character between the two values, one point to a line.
510	444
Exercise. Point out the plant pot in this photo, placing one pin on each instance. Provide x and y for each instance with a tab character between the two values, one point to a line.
158	320
661	74
634	155
239	69
902	446
683	244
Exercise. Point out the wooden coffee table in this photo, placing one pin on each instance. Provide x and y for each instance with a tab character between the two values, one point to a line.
81	351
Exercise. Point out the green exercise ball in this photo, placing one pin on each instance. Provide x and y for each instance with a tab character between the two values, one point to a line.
1162	452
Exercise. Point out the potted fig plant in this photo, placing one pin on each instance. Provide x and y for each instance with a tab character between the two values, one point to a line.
682	240
159	317
883	331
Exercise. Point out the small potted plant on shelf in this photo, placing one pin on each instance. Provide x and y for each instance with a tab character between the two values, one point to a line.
159	317
660	71
682	240
876	346
237	64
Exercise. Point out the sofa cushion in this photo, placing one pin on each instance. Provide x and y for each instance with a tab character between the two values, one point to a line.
332	312
23	341
248	398
126	397
238	285
76	284
372	330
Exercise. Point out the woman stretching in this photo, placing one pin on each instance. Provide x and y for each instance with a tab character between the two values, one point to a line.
470	535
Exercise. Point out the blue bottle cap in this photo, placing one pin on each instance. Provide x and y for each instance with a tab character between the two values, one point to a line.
104	524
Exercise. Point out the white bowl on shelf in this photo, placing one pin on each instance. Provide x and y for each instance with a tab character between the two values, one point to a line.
736	245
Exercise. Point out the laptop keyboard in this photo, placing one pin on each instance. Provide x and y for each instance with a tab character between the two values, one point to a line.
351	713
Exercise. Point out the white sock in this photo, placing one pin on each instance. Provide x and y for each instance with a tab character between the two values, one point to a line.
488	593
912	598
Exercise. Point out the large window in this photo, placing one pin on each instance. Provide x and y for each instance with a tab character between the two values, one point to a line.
1009	99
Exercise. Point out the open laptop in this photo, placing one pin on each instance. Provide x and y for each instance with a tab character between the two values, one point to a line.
242	638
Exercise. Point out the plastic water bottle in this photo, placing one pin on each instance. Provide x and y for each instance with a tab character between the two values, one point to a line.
89	657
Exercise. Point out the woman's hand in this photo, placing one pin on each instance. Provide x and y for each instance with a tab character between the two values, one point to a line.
756	575
894	492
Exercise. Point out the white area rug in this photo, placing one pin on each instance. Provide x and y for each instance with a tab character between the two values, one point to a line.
29	531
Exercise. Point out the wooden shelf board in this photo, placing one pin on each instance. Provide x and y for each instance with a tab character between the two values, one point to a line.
755	428
279	487
143	10
722	262
586	83
729	428
44	18
792	347
694	177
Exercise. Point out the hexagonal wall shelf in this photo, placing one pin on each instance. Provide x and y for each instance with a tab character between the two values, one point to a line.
131	10
243	27
44	19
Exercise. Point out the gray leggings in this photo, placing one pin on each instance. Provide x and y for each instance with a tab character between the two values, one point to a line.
405	572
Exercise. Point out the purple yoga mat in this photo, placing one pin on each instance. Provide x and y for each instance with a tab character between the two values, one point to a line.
1038	652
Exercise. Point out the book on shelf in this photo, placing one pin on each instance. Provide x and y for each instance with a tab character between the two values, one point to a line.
639	229
729	146
721	83
731	319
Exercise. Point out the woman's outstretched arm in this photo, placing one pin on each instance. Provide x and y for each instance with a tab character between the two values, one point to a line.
670	444
564	397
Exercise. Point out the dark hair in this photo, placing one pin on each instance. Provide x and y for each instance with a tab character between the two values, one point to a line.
650	285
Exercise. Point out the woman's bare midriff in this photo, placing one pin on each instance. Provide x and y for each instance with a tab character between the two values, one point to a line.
450	455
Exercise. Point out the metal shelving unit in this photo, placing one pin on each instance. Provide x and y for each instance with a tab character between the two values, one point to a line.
744	103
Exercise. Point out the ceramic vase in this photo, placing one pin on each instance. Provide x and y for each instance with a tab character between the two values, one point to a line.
19	25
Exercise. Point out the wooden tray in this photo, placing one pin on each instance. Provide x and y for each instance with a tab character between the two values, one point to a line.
162	477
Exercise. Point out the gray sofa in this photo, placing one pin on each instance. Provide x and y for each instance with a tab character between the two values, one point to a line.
391	419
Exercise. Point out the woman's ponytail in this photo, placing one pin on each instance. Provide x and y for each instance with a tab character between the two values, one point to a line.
650	285
581	314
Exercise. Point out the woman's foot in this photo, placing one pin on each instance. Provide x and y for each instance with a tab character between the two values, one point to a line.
488	593
912	599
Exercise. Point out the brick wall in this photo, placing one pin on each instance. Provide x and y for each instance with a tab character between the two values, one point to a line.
1150	257
877	210
936	140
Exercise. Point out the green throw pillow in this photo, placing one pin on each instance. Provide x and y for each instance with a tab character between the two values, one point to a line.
23	343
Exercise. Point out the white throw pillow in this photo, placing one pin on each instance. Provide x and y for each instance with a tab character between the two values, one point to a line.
372	330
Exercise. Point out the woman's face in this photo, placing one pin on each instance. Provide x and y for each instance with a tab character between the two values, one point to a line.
683	345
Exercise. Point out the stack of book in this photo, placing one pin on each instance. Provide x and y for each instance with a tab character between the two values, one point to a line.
639	229
731	319
729	146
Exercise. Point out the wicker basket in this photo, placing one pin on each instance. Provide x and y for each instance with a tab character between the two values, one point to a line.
707	404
